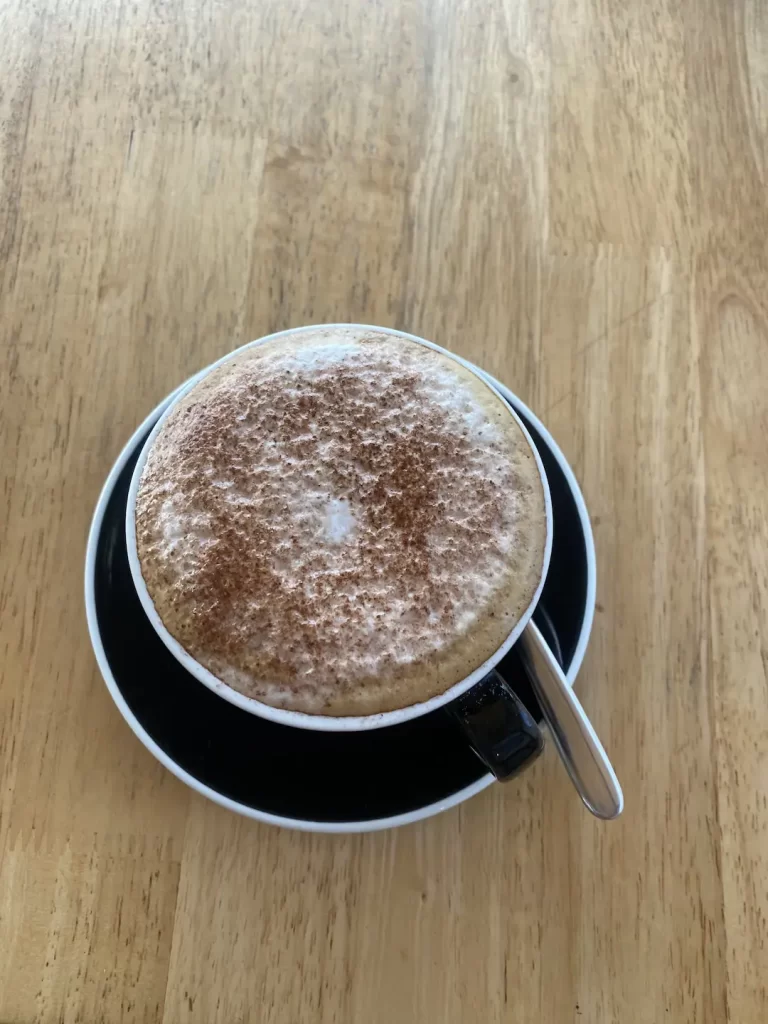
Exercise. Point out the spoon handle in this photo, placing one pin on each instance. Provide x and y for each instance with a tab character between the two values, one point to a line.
577	743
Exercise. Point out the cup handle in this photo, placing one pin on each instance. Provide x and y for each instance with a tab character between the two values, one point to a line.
501	730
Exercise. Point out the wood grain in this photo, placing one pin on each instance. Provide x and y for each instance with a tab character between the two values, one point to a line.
570	192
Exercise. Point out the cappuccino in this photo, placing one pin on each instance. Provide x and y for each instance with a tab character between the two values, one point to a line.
341	522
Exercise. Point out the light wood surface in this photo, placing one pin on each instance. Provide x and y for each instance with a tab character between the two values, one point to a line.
570	192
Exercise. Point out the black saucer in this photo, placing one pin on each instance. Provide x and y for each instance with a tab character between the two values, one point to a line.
311	777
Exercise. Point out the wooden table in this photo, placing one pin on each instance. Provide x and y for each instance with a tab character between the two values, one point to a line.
571	193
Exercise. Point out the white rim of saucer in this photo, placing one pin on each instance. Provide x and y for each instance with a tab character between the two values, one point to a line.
301	824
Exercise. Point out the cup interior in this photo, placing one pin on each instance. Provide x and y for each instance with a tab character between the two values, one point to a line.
329	723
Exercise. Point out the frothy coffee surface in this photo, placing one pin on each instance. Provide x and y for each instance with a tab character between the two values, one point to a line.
341	522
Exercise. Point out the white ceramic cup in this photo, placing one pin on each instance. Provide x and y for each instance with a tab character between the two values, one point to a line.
299	719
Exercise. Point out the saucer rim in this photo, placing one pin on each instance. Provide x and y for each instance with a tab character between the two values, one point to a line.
304	824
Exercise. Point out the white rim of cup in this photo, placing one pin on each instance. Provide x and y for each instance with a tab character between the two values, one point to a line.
303	824
298	719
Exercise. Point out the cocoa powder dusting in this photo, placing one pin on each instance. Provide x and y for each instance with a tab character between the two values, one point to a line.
318	526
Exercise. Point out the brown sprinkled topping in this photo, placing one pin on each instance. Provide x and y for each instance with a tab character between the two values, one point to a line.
314	518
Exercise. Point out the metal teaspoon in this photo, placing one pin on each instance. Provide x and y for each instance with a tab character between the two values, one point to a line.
580	750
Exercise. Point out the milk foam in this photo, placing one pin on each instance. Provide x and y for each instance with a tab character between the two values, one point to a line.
329	519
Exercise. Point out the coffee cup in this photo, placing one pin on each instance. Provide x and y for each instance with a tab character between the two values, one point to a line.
498	726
